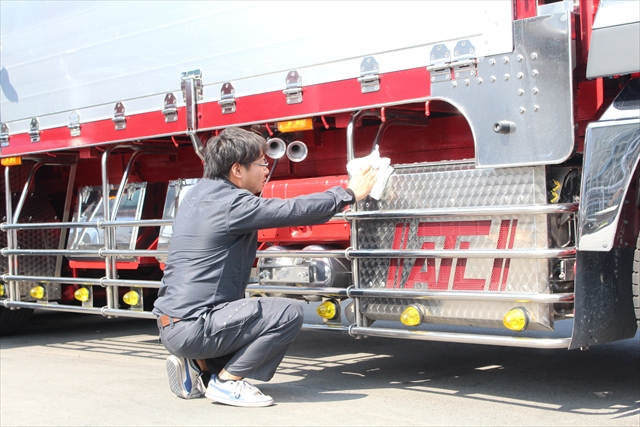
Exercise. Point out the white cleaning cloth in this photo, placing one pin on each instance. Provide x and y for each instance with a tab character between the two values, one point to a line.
374	160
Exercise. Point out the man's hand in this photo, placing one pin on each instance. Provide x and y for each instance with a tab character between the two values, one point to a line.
362	183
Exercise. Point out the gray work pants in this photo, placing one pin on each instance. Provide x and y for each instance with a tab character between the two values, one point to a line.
249	336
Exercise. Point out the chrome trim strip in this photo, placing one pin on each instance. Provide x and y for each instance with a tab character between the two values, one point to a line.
93	224
423	253
508	341
84	281
353	292
351	215
348	253
484	211
78	309
324	327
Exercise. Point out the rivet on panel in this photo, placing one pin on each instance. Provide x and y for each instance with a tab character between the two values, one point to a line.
520	75
506	77
534	73
522	110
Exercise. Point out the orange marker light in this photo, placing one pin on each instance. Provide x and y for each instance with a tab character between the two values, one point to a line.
295	125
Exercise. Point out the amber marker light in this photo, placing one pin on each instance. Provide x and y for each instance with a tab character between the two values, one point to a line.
411	316
295	125
329	310
11	161
81	294
37	292
1	290
131	298
516	319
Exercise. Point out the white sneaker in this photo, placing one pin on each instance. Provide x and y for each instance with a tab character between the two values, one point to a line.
185	381
236	393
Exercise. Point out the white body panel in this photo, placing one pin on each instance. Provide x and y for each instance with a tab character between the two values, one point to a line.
86	56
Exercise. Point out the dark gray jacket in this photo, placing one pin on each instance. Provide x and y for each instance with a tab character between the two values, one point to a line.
214	241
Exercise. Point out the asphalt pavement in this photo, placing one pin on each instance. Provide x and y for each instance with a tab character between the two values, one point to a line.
73	370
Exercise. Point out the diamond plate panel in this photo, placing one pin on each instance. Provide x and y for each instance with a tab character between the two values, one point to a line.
454	186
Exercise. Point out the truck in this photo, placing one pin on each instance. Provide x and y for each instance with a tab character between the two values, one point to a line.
512	129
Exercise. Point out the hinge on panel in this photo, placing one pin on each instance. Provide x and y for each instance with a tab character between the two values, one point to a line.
464	64
293	88
227	98
369	78
74	123
439	60
34	130
196	76
119	119
4	135
170	110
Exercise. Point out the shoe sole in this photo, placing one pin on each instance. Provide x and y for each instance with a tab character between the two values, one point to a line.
226	401
174	370
176	373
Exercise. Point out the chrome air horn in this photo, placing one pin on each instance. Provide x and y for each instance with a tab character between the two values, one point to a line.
276	148
297	151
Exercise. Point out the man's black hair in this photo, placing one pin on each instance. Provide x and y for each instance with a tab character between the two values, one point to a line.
233	145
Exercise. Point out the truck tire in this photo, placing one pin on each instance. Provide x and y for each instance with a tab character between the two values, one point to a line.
635	279
11	321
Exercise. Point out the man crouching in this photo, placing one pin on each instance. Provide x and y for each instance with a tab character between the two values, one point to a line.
216	337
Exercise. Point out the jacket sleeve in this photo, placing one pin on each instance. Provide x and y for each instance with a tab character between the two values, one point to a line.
247	213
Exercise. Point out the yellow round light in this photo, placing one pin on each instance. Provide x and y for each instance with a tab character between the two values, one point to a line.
516	319
37	292
328	310
131	298
411	316
81	294
1	290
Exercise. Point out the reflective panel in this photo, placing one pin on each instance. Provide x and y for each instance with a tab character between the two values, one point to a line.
90	208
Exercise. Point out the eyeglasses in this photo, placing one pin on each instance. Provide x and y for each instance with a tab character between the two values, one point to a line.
264	165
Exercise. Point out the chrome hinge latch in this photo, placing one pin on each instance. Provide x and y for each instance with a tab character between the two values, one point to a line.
119	119
369	78
293	88
227	98
439	60
34	130
170	110
4	135
74	123
465	63
444	67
